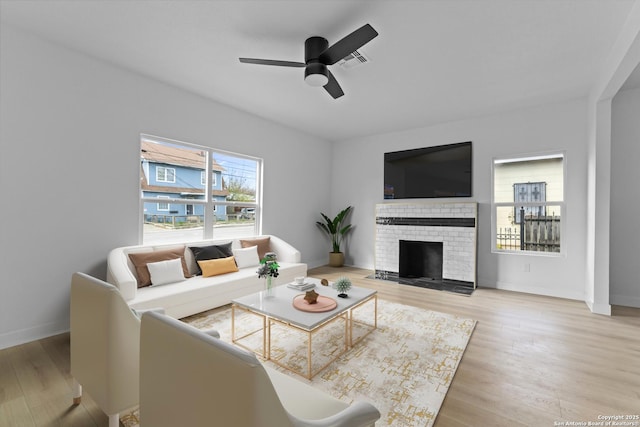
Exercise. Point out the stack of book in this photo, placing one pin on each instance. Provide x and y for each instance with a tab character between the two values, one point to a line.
301	286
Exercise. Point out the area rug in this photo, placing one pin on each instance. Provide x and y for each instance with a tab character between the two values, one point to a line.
404	367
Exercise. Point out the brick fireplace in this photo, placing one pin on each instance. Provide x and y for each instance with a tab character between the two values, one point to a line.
453	225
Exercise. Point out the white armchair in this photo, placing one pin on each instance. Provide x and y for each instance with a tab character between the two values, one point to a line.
189	378
105	346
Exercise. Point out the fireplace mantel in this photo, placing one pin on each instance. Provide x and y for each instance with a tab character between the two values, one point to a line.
454	224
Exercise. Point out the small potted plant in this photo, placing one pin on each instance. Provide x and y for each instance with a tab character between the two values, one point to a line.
342	285
336	231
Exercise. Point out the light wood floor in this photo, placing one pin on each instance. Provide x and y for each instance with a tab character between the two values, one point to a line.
531	361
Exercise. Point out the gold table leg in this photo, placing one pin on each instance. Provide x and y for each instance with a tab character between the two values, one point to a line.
266	332
374	297
268	322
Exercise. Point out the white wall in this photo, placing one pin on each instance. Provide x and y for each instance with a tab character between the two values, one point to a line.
623	58
69	171
358	171
624	277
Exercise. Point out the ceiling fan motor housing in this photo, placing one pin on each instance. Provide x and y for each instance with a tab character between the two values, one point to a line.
313	47
315	73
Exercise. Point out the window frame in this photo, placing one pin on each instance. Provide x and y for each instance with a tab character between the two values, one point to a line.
514	205
210	205
163	203
203	178
165	168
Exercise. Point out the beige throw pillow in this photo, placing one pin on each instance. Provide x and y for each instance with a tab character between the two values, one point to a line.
262	243
140	261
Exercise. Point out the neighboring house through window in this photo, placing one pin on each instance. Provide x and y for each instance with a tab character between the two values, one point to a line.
526	192
206	192
528	203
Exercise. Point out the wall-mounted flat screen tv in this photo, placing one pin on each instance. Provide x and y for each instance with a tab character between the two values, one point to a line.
429	172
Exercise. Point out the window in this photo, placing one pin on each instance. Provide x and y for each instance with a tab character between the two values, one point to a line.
528	204
164	174
203	179
529	192
209	193
163	206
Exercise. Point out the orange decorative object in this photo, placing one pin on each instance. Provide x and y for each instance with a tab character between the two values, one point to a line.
311	296
322	304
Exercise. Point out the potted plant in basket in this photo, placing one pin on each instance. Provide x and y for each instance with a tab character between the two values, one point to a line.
336	231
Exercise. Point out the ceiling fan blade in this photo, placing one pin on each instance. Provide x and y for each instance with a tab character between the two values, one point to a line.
348	44
333	87
272	62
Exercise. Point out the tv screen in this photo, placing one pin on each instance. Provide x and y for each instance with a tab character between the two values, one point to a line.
441	171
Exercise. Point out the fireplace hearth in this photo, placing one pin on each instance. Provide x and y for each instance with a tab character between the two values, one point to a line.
455	286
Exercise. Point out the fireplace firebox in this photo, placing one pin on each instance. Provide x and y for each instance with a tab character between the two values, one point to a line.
418	259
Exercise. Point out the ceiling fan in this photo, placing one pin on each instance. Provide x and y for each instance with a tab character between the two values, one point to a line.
318	55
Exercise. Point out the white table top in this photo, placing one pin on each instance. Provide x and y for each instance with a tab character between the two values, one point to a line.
279	304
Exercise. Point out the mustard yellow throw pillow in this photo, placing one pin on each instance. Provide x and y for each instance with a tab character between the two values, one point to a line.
214	267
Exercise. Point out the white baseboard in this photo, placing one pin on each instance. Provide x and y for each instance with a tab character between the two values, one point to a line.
625	300
536	290
599	308
13	338
317	263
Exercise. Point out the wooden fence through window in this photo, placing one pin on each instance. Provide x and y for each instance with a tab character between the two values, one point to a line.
535	233
174	221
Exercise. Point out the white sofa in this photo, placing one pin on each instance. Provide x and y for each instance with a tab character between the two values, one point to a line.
197	293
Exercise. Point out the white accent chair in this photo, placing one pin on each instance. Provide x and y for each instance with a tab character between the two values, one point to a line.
188	378
105	346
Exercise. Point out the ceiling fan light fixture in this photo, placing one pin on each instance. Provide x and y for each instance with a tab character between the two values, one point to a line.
318	55
315	74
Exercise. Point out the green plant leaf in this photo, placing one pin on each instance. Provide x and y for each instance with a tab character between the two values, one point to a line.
345	229
333	227
323	227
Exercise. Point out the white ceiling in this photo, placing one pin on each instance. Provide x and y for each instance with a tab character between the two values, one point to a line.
433	61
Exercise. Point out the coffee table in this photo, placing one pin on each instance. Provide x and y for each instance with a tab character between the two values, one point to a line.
276	307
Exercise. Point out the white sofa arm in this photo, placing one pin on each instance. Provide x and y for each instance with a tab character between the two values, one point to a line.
140	312
119	274
285	252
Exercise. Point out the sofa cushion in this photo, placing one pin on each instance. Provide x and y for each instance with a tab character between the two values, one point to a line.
263	244
203	253
246	257
215	267
199	293
164	272
140	261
